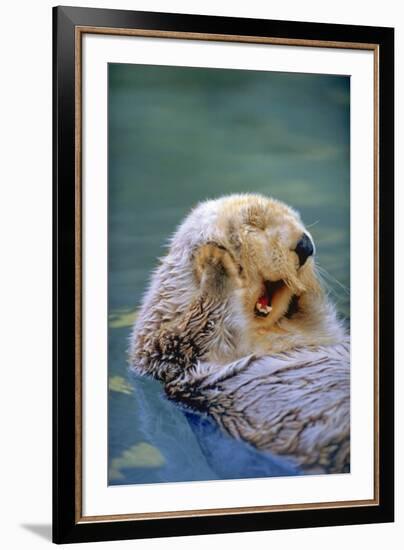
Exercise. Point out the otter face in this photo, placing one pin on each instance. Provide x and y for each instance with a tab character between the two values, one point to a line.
274	252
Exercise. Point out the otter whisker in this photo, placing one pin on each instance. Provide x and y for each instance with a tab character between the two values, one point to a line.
332	279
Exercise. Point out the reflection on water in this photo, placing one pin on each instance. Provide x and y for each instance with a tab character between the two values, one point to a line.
178	136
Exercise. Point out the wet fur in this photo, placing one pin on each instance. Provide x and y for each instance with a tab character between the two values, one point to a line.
281	383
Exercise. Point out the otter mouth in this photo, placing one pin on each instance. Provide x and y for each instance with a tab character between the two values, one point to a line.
263	306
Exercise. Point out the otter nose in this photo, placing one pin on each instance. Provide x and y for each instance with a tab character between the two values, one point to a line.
304	249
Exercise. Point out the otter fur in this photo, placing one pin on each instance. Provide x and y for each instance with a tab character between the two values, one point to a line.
236	324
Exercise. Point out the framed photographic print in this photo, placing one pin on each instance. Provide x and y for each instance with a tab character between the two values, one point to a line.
223	274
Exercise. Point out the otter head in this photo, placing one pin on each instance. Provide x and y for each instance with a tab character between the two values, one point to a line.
274	253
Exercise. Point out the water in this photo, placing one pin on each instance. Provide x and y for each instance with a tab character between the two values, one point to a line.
180	135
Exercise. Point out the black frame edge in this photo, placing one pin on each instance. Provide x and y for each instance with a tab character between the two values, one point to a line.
63	430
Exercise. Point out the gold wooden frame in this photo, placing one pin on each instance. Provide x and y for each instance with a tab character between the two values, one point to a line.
79	32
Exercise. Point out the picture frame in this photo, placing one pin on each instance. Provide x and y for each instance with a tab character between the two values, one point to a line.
70	26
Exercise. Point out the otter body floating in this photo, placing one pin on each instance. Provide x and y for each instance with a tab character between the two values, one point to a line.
237	325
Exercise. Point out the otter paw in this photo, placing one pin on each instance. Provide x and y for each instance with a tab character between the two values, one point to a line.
216	269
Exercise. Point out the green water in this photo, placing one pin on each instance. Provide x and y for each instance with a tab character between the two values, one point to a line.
180	135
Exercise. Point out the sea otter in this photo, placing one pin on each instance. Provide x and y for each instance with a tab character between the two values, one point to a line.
236	325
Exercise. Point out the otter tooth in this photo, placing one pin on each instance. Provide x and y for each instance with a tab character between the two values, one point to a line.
263	309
